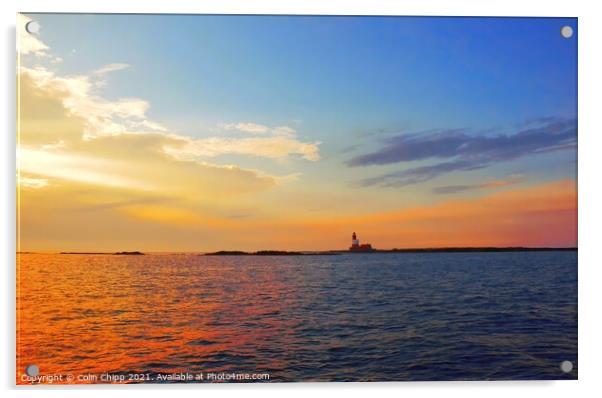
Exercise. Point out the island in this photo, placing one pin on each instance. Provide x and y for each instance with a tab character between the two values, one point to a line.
270	253
134	253
384	251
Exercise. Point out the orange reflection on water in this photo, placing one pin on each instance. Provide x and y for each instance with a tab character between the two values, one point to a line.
80	314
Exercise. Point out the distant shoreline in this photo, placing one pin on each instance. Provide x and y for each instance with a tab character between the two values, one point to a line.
134	253
270	253
330	252
377	251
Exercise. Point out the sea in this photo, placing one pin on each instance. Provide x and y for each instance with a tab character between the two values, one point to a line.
162	318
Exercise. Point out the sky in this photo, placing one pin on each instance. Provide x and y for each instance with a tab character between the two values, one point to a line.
202	133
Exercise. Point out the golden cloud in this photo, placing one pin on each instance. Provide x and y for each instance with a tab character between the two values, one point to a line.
74	175
87	161
128	117
68	131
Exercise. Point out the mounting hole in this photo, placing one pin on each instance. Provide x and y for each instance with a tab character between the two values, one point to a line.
566	32
32	370
33	27
566	366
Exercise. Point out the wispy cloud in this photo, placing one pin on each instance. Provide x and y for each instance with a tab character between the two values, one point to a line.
92	141
111	68
81	98
103	117
463	150
266	147
92	150
252	128
30	182
259	129
453	189
129	116
265	141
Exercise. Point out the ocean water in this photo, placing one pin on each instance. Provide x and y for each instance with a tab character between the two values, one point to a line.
350	317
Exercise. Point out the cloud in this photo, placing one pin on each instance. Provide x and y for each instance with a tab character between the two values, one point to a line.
464	151
284	130
29	182
128	116
79	168
452	189
269	142
266	147
80	153
70	135
102	117
255	128
252	128
111	68
111	190
419	174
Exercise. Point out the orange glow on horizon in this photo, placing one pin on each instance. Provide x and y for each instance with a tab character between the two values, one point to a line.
539	216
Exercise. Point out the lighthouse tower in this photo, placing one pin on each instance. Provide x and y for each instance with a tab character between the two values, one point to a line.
355	242
356	247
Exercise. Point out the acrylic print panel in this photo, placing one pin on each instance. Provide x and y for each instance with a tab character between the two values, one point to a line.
209	198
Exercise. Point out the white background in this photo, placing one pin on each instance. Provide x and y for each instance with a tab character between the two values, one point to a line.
590	240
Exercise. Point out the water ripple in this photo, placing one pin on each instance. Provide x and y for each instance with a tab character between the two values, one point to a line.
423	316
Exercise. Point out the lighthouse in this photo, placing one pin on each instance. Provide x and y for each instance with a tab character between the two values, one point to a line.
355	242
356	247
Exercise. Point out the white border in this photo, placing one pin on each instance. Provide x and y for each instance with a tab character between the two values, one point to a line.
590	131
347	7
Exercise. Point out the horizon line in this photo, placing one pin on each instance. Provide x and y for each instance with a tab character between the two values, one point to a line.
345	250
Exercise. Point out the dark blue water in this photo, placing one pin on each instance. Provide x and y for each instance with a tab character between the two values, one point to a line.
450	316
351	317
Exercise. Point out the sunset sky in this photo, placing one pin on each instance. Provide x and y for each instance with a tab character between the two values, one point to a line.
202	133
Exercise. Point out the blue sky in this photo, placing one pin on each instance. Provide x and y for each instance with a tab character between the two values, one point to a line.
329	107
335	78
342	74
